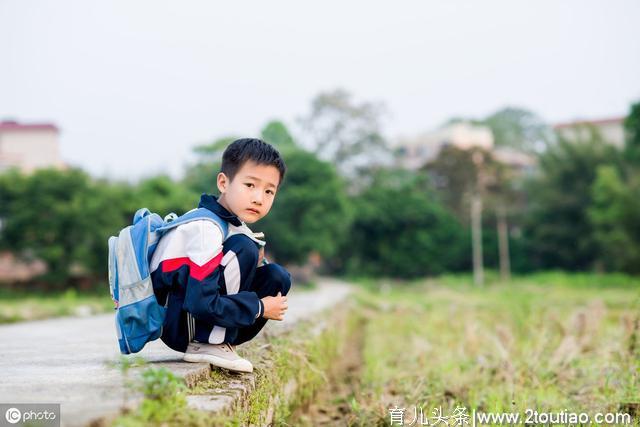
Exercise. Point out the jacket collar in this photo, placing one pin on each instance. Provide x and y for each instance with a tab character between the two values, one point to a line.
211	202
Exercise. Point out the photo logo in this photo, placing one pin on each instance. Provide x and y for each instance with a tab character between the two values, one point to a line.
13	415
41	414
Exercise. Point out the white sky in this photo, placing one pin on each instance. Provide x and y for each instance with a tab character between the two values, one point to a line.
134	85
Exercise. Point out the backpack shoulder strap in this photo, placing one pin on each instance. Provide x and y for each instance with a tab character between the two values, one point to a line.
198	214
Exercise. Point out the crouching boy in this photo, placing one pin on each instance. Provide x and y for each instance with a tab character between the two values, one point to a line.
220	292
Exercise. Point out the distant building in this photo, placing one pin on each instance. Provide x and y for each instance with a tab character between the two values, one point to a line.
29	146
517	160
413	153
611	130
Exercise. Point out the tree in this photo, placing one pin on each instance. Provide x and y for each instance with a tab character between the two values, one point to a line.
632	129
557	227
346	133
109	208
214	150
401	230
470	178
519	129
201	176
162	195
454	175
614	215
310	213
277	134
62	218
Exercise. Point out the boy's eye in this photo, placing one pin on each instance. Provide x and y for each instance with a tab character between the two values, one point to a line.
270	192
248	184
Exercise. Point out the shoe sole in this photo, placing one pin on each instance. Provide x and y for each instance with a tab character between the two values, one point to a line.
217	361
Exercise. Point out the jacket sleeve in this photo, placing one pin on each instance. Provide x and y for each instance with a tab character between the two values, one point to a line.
204	298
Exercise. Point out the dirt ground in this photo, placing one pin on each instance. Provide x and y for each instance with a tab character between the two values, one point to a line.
331	405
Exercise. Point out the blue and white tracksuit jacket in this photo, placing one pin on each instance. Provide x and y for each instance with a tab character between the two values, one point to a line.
213	289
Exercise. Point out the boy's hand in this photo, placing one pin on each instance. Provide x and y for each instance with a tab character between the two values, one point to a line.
274	307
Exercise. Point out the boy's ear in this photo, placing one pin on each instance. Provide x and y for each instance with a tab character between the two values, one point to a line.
222	182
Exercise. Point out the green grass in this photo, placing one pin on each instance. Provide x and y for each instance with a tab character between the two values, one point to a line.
17	306
549	342
550	278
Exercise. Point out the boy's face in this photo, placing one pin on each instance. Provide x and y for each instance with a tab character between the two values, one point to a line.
251	192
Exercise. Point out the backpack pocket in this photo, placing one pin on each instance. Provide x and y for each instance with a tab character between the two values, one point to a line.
140	321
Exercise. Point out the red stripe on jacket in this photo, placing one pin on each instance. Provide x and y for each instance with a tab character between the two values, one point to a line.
198	272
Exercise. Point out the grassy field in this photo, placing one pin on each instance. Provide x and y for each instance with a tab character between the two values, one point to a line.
17	306
553	343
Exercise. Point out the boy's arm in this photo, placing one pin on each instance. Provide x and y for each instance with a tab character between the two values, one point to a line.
205	302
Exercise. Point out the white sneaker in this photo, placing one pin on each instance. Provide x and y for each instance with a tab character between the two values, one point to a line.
221	355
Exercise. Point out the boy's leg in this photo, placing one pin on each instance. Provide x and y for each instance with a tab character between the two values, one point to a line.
268	281
239	263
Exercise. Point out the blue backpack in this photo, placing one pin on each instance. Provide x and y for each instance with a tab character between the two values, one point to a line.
139	317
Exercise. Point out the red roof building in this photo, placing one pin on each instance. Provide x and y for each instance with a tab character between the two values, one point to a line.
611	130
29	146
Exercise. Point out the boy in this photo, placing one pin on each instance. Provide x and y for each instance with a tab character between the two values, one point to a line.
221	294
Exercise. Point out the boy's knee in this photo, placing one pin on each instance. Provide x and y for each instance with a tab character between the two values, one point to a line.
279	277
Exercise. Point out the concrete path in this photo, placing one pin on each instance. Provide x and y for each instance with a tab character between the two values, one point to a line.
66	360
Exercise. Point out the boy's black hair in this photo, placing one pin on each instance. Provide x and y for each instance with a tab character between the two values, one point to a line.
242	150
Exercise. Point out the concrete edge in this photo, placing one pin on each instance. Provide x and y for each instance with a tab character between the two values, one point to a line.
237	392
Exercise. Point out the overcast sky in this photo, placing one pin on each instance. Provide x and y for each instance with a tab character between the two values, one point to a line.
134	85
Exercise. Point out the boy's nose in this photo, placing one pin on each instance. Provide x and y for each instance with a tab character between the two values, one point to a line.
257	198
